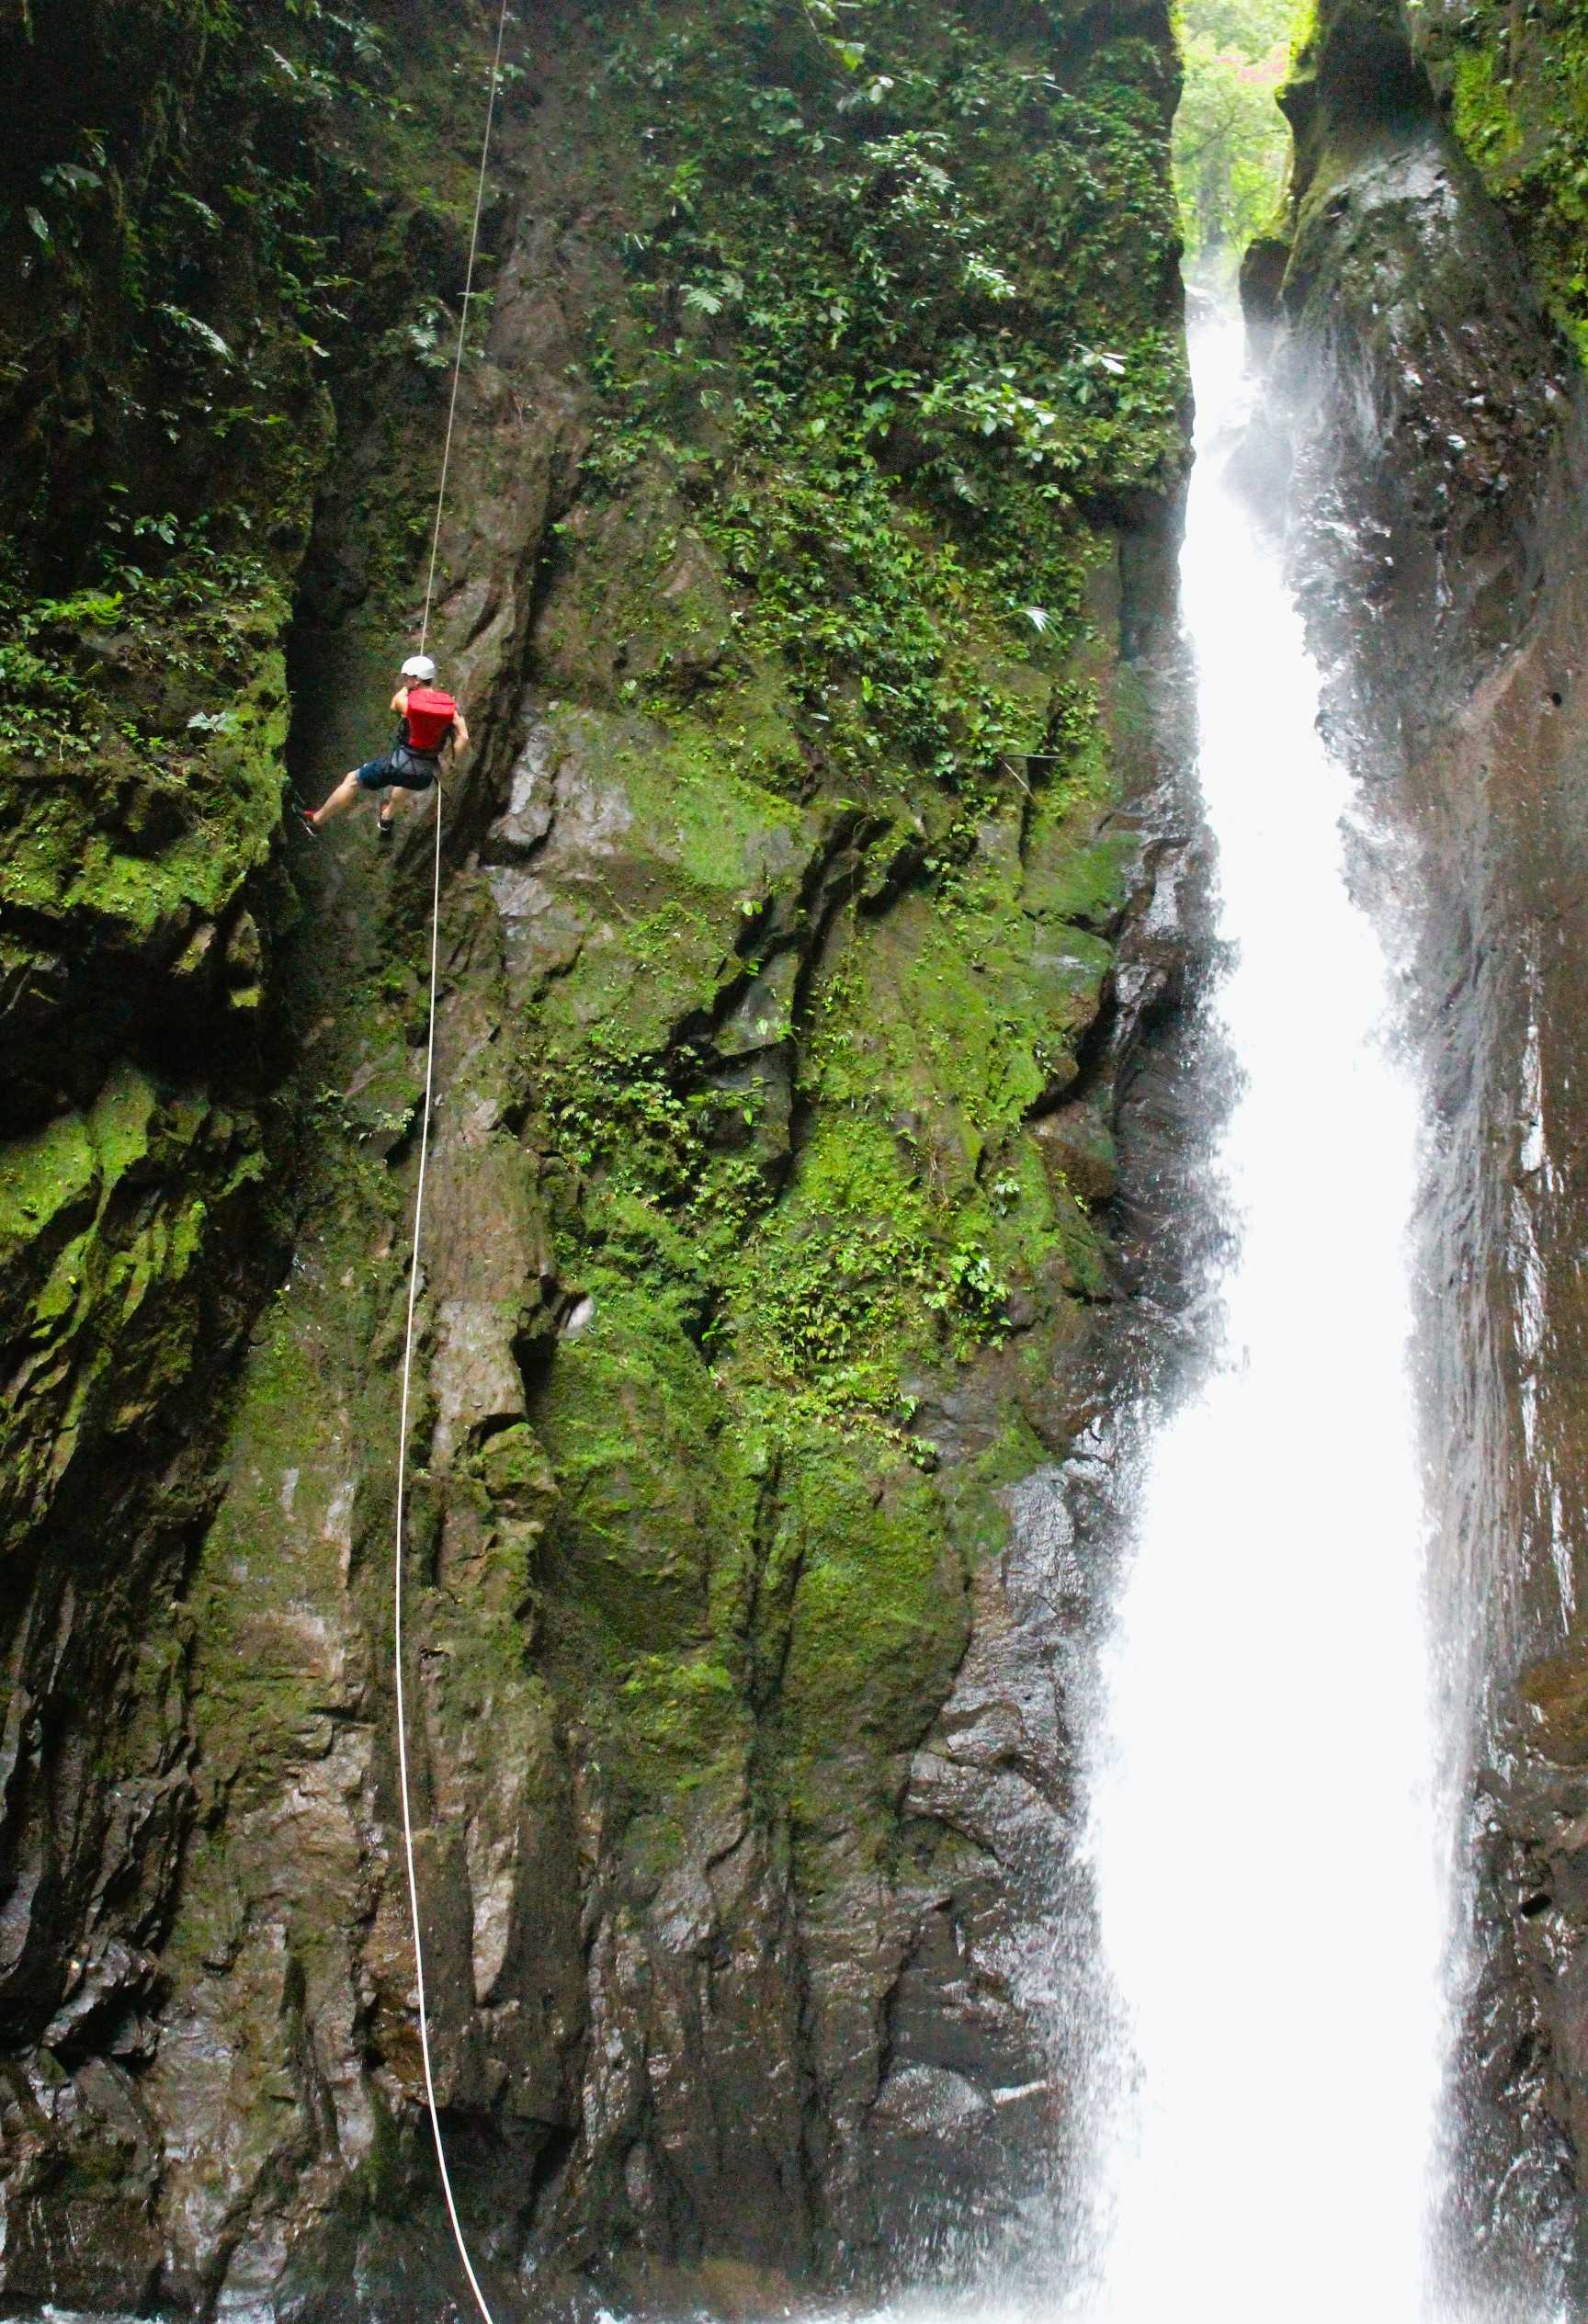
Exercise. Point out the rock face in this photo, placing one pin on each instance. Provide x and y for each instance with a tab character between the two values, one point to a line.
805	575
1432	412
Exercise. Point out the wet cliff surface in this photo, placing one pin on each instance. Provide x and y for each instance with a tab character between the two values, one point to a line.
815	908
1429	430
805	577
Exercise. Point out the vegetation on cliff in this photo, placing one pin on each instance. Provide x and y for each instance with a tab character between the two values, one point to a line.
879	395
1515	81
833	352
212	221
822	624
208	225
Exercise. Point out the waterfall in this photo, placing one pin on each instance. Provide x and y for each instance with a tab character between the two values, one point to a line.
1265	1838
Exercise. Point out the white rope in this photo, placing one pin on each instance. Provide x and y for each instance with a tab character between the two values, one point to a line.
457	2235
400	1556
463	321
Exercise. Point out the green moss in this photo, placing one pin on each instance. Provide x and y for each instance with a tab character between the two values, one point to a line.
701	818
267	1594
684	1719
114	1222
960	1017
1516	84
833	1292
832	738
650	1500
687	840
139	832
121	1120
1484	117
50	1174
879	1622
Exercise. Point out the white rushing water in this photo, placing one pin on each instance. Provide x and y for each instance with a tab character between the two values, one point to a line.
1269	1874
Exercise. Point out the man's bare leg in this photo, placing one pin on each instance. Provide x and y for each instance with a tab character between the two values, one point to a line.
400	801
342	797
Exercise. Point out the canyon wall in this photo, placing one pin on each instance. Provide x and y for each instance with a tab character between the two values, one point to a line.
806	576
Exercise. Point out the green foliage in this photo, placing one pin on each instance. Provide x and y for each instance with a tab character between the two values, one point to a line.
102	1280
111	668
822	1295
1517	84
876	364
1231	144
876	305
852	1271
205	283
622	1119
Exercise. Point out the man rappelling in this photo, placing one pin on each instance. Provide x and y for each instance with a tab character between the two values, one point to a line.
430	722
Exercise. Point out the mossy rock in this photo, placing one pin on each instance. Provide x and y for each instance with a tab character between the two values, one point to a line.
879	1619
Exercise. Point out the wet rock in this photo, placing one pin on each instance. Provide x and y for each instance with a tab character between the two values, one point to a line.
1078	1145
1555	1695
736	1734
515	836
930	2102
1439	431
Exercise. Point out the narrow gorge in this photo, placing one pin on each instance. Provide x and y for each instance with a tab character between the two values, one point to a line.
997	1704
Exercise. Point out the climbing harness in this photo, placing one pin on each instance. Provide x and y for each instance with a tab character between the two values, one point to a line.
399	1560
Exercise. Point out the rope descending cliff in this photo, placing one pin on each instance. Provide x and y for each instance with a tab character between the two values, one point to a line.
404	1781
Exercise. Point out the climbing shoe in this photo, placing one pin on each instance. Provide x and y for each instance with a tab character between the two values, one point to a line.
383	825
306	819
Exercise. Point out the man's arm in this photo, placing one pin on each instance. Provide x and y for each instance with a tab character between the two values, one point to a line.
459	732
400	701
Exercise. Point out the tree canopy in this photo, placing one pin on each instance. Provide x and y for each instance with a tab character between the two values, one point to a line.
1230	140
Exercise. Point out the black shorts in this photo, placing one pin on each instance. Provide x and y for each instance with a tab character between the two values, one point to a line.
399	769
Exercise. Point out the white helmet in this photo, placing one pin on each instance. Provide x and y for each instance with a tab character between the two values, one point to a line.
420	668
